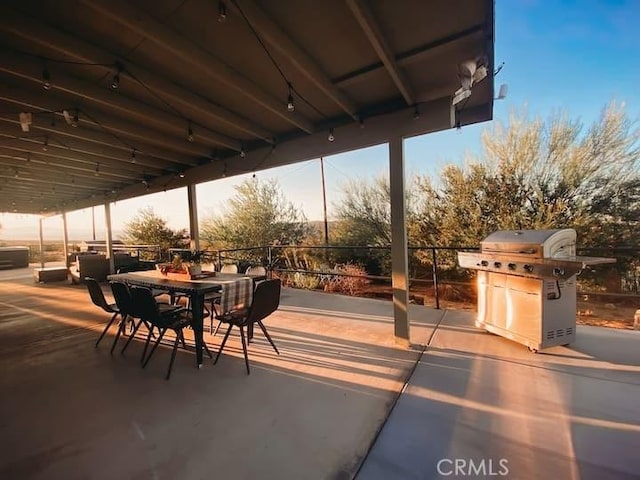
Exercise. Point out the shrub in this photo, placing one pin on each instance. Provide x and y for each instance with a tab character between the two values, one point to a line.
345	278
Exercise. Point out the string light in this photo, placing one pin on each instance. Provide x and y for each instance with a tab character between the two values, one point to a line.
45	144
76	119
115	83
46	78
331	138
97	172
242	152
222	12
416	112
224	170
190	136
181	174
133	155
290	106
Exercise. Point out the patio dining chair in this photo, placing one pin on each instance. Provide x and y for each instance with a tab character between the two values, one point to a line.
126	304
256	270
175	319
98	299
229	268
266	300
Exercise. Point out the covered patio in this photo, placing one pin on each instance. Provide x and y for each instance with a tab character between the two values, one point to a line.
111	102
342	399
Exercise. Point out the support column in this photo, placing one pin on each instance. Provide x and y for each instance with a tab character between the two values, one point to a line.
109	237
65	238
41	244
399	255
194	233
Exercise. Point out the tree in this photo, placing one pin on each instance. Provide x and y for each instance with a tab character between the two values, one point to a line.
258	214
364	219
364	214
147	228
536	174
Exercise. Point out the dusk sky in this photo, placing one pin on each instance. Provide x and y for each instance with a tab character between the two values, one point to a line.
574	56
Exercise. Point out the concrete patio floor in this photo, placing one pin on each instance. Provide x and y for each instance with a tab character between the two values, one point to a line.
72	411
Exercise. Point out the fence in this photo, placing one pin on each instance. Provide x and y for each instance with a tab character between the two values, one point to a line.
433	266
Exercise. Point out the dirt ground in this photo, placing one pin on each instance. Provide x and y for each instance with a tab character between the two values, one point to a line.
591	310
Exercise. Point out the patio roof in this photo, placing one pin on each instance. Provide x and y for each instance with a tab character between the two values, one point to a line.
200	96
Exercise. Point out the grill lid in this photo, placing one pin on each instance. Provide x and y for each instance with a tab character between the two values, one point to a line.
531	243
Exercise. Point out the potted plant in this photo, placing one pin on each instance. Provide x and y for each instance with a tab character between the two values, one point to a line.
188	262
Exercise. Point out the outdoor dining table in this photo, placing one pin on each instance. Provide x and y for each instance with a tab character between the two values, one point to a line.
196	289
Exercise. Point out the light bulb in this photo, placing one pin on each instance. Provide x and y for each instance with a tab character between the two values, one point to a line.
331	138
222	12
46	79
290	106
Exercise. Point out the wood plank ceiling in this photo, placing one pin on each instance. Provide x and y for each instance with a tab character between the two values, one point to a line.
107	100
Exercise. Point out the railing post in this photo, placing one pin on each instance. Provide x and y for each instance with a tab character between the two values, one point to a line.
269	261
219	260
435	276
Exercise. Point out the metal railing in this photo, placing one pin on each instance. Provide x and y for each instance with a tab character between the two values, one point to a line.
428	264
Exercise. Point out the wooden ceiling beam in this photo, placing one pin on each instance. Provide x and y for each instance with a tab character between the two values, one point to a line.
34	146
367	22
111	131
116	102
271	33
140	22
72	48
47	165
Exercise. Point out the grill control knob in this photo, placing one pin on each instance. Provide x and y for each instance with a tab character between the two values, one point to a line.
484	263
528	268
512	266
558	272
497	264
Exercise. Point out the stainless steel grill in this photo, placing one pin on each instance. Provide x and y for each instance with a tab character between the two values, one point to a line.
527	285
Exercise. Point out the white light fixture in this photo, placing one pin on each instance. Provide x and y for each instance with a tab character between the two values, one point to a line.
331	138
502	93
25	121
480	74
460	95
